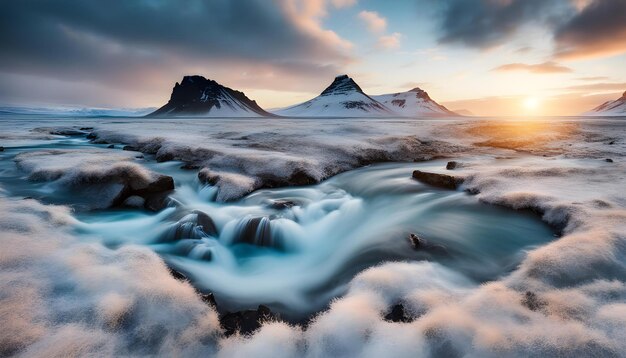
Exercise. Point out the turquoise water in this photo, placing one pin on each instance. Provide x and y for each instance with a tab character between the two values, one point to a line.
296	259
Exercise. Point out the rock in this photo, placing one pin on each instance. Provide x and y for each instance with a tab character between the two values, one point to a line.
439	180
1	149
419	244
189	166
532	301
247	321
164	157
155	192
134	201
111	146
177	275
157	201
281	204
207	177
208	225
452	165
130	148
209	298
608	160
255	231
416	242
92	135
612	142
86	128
193	226
398	314
139	157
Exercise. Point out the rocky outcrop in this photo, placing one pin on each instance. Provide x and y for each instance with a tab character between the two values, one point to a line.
439	180
154	192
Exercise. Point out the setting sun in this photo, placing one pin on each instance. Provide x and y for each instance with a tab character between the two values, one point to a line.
531	103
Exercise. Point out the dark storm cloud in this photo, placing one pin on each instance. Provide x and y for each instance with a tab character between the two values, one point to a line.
120	41
595	30
598	30
488	23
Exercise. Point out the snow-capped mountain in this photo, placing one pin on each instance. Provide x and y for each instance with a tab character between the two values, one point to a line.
343	98
610	108
413	103
198	96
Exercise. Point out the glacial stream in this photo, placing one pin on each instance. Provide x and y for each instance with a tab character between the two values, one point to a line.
294	249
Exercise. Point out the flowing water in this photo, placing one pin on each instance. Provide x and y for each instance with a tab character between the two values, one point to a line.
296	248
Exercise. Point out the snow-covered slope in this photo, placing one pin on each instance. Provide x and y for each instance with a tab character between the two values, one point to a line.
413	103
198	96
610	108
76	112
343	98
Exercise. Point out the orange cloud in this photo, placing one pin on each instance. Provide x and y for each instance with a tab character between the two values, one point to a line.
546	67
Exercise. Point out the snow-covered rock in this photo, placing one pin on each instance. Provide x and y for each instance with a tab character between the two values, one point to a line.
413	103
198	96
343	98
610	108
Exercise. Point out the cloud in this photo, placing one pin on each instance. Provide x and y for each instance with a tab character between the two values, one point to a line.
599	30
488	23
389	42
146	46
598	87
374	22
595	78
343	3
546	67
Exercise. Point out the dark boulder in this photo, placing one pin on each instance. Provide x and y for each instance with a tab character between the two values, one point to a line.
164	156
208	177
1	149
452	165
398	314
92	135
608	160
155	192
205	222
439	180
111	146
247	321
420	244
177	274
130	148
188	166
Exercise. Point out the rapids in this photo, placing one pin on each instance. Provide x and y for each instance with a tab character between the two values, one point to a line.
294	249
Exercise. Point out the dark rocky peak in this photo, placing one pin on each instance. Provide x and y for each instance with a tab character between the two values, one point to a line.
195	88
420	93
342	85
196	95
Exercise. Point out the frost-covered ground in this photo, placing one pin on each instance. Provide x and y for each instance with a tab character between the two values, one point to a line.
62	295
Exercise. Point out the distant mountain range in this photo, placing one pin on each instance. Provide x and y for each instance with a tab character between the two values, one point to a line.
610	108
76	112
198	96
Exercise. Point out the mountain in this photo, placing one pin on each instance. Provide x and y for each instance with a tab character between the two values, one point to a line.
343	98
76	112
198	96
610	108
413	103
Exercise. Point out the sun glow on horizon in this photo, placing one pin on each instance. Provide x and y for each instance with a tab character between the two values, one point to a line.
531	103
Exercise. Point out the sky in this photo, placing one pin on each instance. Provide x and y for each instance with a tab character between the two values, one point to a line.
490	57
